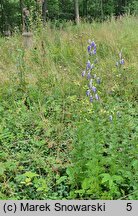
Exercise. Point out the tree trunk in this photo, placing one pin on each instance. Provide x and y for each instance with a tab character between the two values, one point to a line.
22	20
2	17
76	4
44	8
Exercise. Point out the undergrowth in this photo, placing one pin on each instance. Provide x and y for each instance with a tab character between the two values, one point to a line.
55	143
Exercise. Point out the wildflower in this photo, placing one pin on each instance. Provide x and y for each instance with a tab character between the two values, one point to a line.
93	44
89	49
94	51
88	65
111	118
88	92
91	98
83	73
96	96
88	75
98	80
90	83
122	62
94	89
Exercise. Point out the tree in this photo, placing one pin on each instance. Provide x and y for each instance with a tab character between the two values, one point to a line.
44	8
21	9
76	5
11	11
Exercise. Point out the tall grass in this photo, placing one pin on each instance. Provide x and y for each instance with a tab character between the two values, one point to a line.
47	124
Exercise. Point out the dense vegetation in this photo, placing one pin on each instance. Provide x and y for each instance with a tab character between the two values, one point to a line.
11	11
56	142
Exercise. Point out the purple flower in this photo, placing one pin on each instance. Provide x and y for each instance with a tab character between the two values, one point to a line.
94	51
88	75
88	92
122	62
83	73
89	48
93	44
98	80
94	89
91	98
88	65
96	96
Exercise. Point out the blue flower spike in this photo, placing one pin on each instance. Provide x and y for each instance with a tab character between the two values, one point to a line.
122	62
88	76
98	80
83	73
94	89
88	65
93	44
94	52
88	92
91	47
96	96
91	99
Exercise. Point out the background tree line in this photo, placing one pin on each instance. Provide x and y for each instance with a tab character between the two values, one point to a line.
11	11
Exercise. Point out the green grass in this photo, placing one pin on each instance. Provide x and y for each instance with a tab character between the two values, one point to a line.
55	144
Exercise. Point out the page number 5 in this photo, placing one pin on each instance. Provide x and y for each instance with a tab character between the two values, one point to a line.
129	207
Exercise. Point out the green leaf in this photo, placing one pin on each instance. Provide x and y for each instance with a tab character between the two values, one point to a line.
61	179
135	164
30	174
81	191
86	184
2	169
117	178
106	177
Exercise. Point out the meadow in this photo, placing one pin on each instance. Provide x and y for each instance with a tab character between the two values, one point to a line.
61	138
